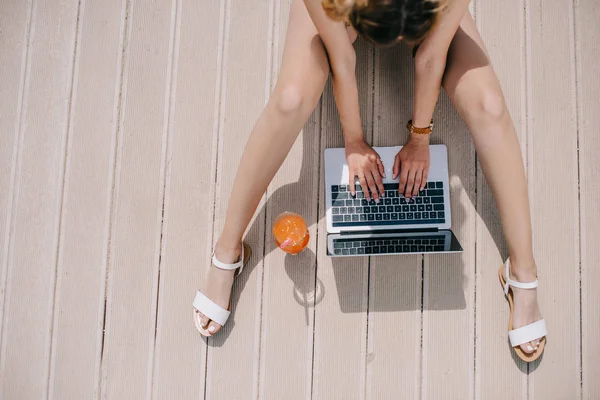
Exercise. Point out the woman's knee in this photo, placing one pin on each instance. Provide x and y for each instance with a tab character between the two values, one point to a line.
288	99
487	108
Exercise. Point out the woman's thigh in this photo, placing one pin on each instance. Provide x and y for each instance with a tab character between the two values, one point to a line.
470	80
304	66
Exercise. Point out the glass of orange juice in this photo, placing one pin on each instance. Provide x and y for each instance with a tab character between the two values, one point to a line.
291	233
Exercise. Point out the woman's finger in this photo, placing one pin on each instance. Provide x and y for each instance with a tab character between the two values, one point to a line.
378	181
372	185
404	168
425	176
365	187
396	168
418	179
351	183
380	167
410	183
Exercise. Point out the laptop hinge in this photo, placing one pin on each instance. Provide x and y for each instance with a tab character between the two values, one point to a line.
391	231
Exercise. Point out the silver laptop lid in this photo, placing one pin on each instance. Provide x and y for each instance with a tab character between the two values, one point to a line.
336	176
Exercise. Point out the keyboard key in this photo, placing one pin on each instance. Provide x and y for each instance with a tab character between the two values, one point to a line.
439	185
409	215
418	241
343	210
348	245
381	209
425	215
438	207
371	243
387	201
390	249
372	202
371	217
438	248
342	188
437	200
394	216
441	214
413	248
363	217
389	209
335	211
360	195
395	200
349	202
424	241
410	241
339	196
337	252
417	215
375	249
364	202
421	193
363	243
335	188
435	192
405	208
386	242
338	245
356	202
401	215
378	217
428	207
369	250
352	251
426	200
379	242
402	200
354	217
413	207
338	218
392	193
360	250
394	241
397	208
339	203
347	218
386	217
345	252
350	210
420	207
398	249
421	248
428	248
419	200
430	185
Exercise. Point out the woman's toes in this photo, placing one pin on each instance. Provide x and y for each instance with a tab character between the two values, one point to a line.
527	348
204	320
213	327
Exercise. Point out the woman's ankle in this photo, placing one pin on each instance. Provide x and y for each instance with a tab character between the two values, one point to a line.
228	251
523	269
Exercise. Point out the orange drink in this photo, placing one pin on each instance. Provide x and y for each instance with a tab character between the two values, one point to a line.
291	233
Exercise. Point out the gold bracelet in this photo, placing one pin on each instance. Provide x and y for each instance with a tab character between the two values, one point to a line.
419	131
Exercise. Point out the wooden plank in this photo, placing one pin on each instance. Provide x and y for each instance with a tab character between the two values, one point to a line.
502	28
246	75
14	40
31	263
138	200
394	329
187	232
587	35
552	110
289	280
79	304
341	315
448	280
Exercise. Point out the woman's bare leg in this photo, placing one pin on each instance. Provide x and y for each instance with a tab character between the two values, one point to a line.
303	74
471	83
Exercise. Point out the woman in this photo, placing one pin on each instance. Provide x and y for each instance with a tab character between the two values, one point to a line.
448	52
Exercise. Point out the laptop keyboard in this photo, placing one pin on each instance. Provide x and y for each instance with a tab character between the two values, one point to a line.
393	209
350	247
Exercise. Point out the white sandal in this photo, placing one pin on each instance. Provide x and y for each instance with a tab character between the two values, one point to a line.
209	308
525	333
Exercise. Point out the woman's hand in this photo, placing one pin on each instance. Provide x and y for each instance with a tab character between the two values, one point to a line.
365	163
412	165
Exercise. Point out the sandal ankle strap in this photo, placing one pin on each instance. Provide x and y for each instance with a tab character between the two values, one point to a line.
517	284
230	267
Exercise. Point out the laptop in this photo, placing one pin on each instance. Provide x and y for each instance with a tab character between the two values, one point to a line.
395	225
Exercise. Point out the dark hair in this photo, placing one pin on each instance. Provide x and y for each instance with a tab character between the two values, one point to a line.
383	22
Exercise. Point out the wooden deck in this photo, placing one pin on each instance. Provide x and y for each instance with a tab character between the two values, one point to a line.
121	123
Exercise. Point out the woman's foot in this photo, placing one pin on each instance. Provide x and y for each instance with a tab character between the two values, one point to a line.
218	282
526	308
